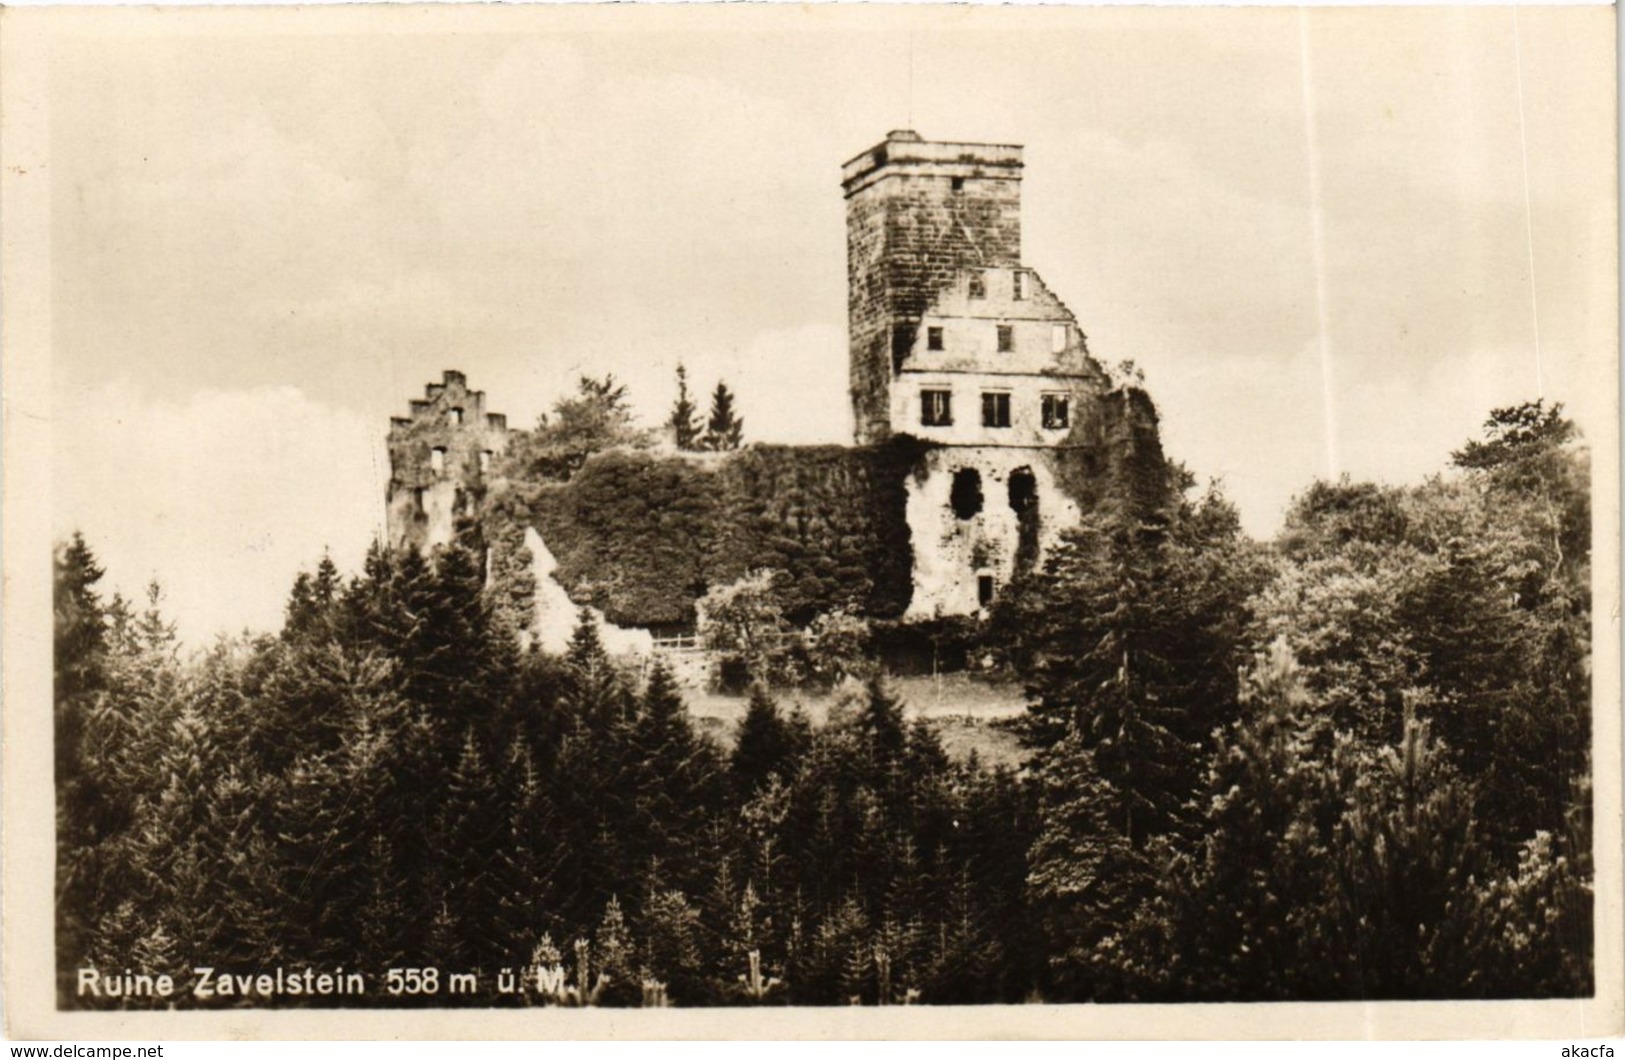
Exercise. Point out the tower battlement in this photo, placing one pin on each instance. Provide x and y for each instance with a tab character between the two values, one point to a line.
904	151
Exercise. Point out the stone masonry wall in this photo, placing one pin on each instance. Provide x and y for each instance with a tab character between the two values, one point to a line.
427	493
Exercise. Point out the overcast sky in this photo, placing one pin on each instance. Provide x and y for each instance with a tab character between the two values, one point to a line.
1314	234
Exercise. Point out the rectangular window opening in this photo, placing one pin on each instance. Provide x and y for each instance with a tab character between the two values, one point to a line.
933	338
984	590
936	408
1018	285
978	285
1007	338
454	417
995	409
437	459
485	460
1057	414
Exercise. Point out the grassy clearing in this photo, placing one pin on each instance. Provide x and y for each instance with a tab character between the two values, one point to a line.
962	708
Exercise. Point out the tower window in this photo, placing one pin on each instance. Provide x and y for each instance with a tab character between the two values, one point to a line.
1018	285
437	459
1057	414
902	341
454	417
417	498
965	496
984	590
978	285
959	183
933	338
485	460
1023	491
1057	338
936	408
995	409
1007	338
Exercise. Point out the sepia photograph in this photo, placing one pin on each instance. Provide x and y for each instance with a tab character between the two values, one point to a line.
823	515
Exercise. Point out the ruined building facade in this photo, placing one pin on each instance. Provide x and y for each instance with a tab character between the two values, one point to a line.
961	359
440	456
955	341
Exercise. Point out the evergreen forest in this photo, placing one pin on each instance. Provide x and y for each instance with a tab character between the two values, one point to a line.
1352	762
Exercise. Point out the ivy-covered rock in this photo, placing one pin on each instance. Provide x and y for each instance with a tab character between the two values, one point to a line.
642	536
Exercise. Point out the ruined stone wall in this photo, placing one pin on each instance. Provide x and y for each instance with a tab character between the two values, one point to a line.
439	456
958	539
1110	461
876	529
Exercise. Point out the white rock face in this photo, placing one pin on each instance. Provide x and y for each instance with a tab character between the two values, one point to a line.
556	614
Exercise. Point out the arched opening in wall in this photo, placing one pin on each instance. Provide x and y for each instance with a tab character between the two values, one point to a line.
965	498
437	459
1024	502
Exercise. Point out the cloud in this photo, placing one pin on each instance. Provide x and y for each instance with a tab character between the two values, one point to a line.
791	384
222	496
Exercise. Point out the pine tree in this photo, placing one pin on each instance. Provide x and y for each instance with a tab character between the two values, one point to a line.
525	861
677	782
94	725
1405	853
767	745
310	610
81	622
683	421
1087	882
670	946
180	838
592	674
724	430
317	856
470	828
1132	640
452	661
837	964
594	780
616	957
1249	927
880	720
964	957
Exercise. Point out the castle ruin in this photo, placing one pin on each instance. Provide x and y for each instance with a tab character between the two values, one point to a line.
962	361
955	341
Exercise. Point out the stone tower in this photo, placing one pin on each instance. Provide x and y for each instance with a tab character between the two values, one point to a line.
439	457
953	340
